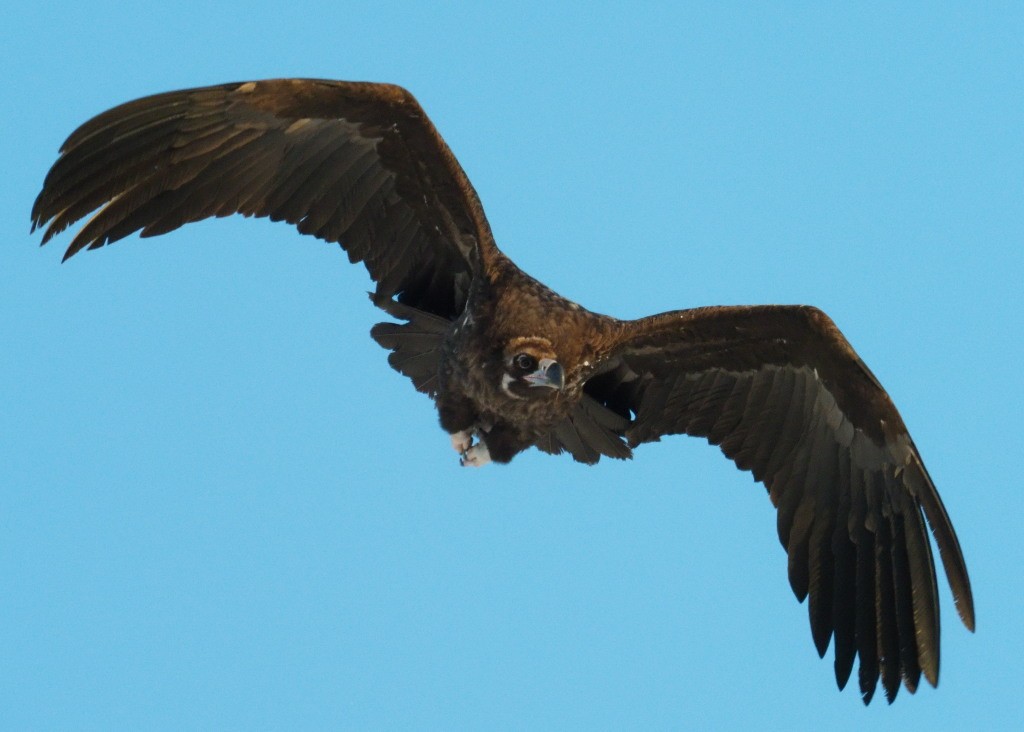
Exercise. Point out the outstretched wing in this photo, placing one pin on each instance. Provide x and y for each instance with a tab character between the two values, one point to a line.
784	395
355	163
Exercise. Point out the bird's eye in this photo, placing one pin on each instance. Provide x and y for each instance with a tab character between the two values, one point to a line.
525	362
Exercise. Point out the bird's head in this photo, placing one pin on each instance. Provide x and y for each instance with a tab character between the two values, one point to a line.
531	369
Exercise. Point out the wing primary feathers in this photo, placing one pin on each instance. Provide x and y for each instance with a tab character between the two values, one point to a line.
952	557
867	620
888	643
903	584
102	229
844	604
922	574
821	574
136	114
821	564
88	182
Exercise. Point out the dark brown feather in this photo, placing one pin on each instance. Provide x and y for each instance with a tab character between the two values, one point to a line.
415	345
820	578
867	619
844	602
910	669
888	641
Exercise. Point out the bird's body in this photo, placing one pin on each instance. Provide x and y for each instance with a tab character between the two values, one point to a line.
510	314
512	365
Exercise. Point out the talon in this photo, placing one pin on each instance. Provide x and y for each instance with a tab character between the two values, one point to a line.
461	441
476	456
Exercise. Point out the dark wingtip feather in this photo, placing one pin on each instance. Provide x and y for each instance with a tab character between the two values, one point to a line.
819	606
77	244
950	553
822	636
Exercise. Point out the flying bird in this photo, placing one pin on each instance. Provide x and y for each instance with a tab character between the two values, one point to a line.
511	364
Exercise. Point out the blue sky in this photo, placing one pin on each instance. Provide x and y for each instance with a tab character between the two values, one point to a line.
221	509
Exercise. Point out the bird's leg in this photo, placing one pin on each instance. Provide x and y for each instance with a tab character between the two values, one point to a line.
458	419
476	456
502	442
462	441
471	455
494	444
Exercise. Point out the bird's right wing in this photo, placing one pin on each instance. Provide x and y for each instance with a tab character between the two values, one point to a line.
783	394
355	163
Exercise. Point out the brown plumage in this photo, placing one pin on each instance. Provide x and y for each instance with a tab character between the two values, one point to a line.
512	365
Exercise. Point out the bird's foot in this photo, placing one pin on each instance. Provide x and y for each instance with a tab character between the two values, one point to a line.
462	441
476	456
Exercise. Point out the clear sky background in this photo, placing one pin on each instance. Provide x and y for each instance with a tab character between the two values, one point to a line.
221	509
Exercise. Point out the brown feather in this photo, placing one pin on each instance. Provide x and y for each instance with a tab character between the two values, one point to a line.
910	669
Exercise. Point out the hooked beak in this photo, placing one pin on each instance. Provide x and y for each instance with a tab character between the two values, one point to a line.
549	374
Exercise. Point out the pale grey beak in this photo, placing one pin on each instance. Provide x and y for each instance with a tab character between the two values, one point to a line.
548	374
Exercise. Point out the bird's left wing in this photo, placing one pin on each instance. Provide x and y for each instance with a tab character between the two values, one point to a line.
783	394
349	162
